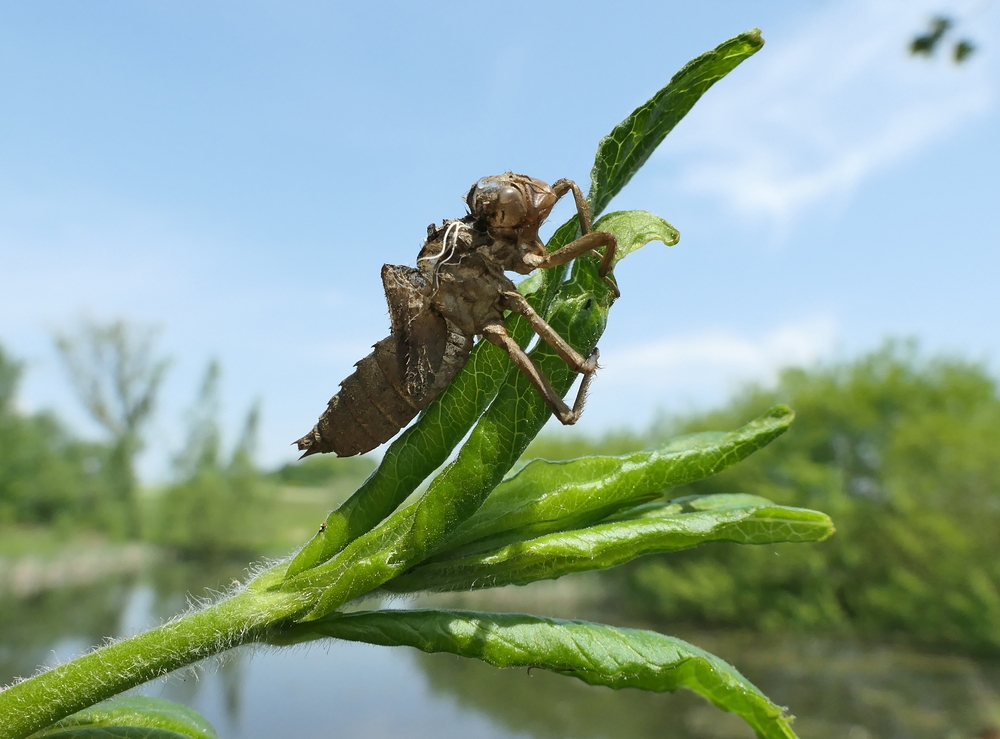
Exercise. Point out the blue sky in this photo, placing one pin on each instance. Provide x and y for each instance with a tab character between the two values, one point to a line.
237	173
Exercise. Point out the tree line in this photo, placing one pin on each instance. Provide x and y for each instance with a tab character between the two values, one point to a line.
218	502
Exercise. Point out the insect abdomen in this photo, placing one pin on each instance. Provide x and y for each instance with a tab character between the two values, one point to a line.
370	408
400	378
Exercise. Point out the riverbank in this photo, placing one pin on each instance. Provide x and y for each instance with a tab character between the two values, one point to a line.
37	561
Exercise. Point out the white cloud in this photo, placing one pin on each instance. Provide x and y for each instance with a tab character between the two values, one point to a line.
818	112
699	370
691	362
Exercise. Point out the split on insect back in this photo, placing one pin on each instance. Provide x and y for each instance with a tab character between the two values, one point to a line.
458	292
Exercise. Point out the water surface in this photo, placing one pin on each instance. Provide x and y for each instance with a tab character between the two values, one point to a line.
835	687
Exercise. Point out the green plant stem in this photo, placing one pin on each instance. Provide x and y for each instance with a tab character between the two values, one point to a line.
246	617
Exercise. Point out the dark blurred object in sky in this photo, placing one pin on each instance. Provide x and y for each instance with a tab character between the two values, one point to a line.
926	44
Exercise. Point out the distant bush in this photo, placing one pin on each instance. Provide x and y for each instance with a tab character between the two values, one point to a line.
324	471
569	445
902	453
216	507
215	512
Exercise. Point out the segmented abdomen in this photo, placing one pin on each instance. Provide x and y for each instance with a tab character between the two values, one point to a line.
376	401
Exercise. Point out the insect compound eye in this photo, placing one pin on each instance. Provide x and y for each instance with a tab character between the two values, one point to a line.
482	197
542	198
511	208
502	204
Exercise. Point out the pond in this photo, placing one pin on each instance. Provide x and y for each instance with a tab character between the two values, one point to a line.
835	687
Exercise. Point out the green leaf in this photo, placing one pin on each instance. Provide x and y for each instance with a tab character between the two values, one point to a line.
636	228
552	496
622	152
653	530
687	504
593	653
132	717
114	732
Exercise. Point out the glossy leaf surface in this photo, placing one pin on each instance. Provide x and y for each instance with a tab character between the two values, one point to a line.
622	152
593	653
634	229
552	496
653	530
133	717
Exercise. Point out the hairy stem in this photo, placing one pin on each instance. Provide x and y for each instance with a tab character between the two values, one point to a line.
245	618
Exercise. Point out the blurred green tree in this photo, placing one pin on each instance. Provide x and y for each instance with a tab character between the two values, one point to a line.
902	453
116	374
325	471
46	476
572	445
215	508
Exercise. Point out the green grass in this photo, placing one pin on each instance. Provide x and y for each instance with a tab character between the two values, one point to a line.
19	541
296	515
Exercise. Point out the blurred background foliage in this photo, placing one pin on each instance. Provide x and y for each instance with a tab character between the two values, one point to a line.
901	452
218	504
898	448
47	477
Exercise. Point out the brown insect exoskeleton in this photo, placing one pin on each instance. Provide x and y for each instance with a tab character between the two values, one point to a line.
458	291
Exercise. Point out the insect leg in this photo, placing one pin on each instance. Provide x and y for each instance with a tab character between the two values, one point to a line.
496	334
517	303
582	245
560	188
